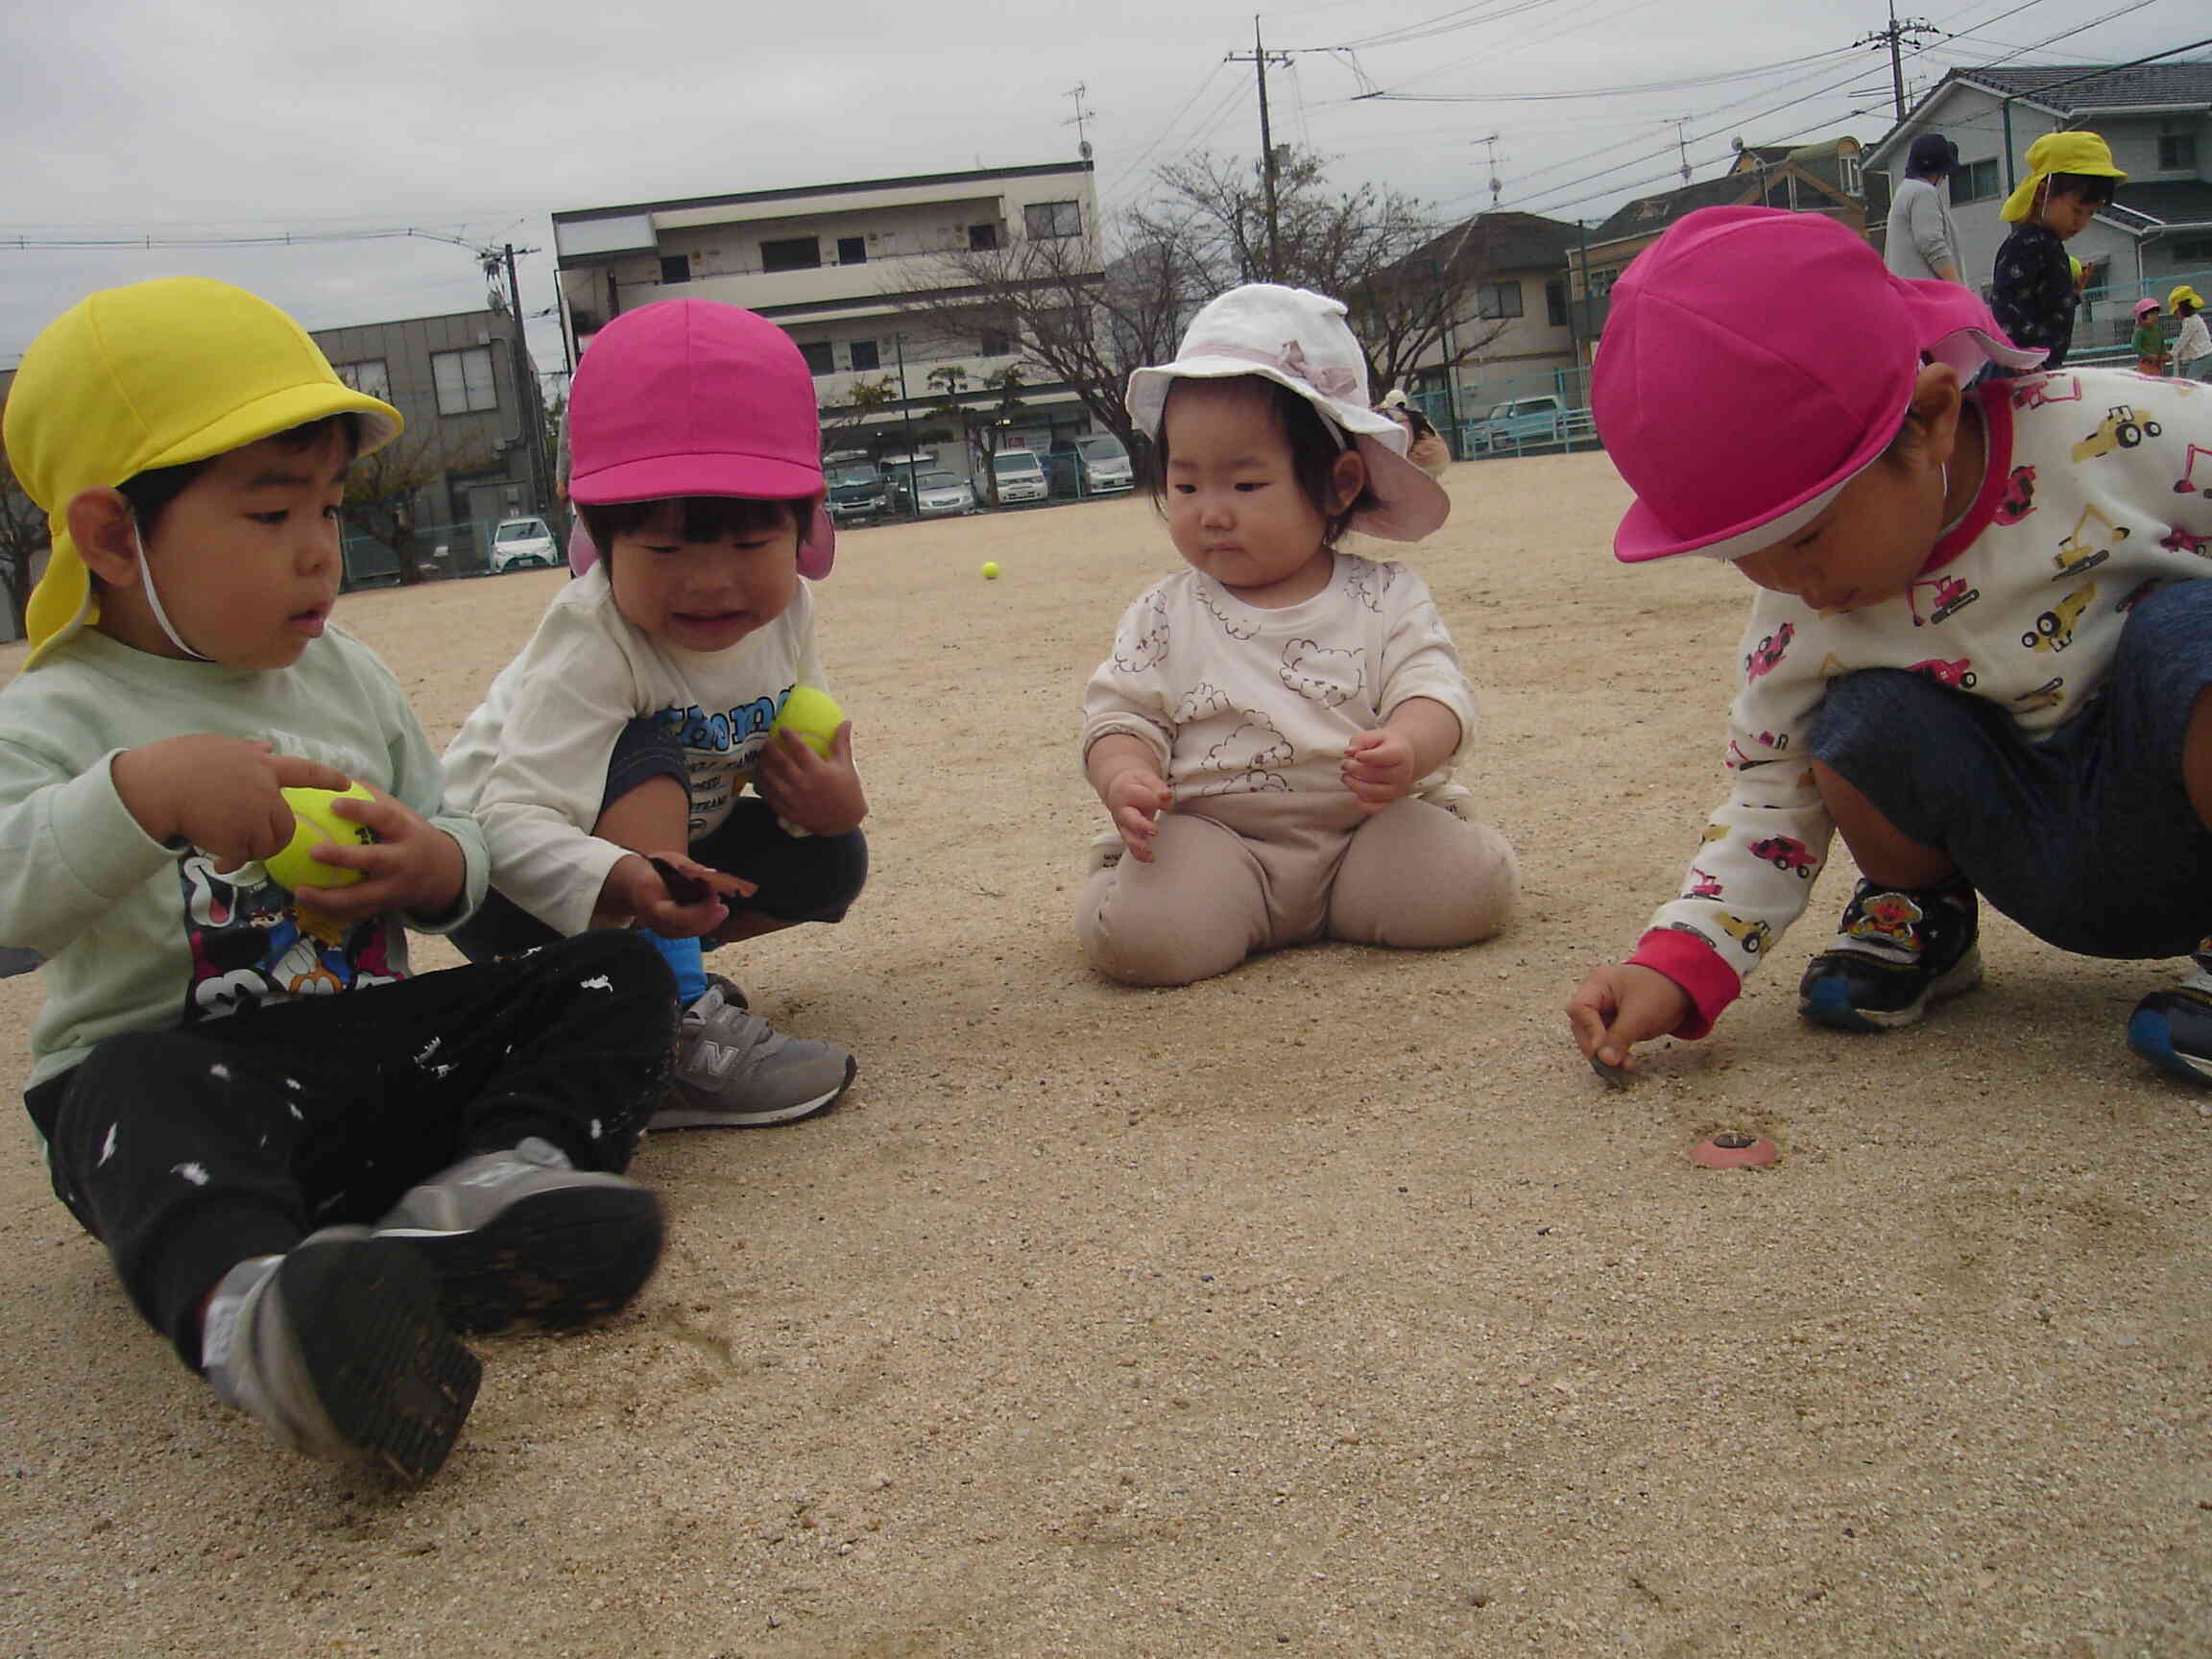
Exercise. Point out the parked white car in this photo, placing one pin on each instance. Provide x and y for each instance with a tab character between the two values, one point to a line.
1105	463
1020	476
524	544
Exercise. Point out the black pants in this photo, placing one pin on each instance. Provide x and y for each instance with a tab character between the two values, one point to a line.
187	1152
799	877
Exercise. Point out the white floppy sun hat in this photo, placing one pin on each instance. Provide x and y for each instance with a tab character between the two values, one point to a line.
1299	340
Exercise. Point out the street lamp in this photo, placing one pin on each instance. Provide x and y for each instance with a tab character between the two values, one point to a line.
907	426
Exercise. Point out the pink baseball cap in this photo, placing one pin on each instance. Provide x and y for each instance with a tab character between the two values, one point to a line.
1756	361
694	397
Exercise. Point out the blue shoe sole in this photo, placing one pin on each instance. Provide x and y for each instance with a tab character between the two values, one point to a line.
2150	1036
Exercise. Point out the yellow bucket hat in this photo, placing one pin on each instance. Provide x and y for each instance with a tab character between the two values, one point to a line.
2059	152
155	375
2180	294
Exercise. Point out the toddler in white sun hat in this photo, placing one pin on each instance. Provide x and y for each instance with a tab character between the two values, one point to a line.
1274	733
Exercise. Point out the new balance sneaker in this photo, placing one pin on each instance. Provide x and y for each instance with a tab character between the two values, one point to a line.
2173	1029
525	1233
338	1348
733	1071
1895	952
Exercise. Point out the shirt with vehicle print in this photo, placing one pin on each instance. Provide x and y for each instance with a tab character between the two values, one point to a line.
2095	493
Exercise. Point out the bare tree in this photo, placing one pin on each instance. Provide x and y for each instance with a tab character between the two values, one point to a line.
22	538
1409	279
1078	311
381	489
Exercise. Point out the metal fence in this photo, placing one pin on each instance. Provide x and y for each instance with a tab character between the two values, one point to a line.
441	550
1542	412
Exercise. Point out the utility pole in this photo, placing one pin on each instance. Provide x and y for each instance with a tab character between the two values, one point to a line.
1259	57
1909	30
529	408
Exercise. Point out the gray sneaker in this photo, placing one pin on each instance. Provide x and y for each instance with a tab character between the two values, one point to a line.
338	1348
732	1072
526	1234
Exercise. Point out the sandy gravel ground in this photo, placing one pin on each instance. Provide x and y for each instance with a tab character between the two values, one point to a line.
1330	1307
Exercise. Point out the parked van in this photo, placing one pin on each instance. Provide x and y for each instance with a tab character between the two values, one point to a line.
1100	464
1017	476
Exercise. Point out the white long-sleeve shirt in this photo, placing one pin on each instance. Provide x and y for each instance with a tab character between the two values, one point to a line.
1232	698
2195	340
531	761
2099	485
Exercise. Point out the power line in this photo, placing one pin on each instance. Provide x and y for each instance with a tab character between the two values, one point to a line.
1678	84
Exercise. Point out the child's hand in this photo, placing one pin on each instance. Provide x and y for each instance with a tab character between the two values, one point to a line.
1133	800
1621	1005
412	866
1379	768
819	793
636	890
218	793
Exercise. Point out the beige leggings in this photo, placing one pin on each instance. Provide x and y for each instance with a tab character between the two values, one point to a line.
1234	874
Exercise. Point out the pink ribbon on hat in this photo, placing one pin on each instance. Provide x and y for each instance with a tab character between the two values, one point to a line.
1335	381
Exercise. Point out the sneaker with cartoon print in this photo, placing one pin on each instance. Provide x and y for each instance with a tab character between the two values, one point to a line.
2173	1029
1895	950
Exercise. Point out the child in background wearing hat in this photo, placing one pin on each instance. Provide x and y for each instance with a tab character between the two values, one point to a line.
2193	346
2033	291
2149	340
1274	733
307	1166
1981	648
608	761
1425	446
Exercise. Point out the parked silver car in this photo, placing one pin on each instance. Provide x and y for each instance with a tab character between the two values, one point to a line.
940	495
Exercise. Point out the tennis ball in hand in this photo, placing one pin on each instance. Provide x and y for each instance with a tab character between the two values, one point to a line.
990	569
813	715
315	823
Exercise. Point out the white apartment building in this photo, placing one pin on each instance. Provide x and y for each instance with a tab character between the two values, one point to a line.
839	266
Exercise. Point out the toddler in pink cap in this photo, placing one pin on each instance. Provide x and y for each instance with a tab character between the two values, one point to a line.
609	762
1980	650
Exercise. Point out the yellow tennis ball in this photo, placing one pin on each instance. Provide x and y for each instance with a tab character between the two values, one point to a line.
315	823
990	570
813	715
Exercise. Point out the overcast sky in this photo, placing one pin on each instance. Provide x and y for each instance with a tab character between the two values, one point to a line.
476	119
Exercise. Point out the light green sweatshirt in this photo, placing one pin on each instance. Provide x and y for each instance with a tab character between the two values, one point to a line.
138	935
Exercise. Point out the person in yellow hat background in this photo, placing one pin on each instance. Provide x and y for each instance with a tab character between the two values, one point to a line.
2193	346
308	1168
2032	291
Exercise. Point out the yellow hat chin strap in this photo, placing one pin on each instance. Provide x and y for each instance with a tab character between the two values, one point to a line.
153	599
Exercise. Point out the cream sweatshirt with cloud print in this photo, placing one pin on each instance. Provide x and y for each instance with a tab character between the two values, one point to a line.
1233	700
2099	487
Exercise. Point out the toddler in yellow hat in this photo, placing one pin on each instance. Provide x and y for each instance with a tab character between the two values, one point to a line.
308	1168
2032	289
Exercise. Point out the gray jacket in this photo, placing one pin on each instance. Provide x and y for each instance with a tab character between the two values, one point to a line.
1921	234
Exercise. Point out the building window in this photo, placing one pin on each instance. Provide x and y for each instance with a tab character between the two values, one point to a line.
1849	176
464	381
821	357
2176	152
1975	182
997	343
851	249
374	378
675	268
793	254
1495	300
982	238
1599	284
2191	249
1556	303
1046	219
866	354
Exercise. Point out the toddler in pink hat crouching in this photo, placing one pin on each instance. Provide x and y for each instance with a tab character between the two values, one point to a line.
1274	734
1981	649
610	762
